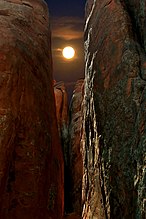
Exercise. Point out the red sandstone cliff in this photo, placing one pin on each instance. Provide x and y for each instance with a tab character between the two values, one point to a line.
105	158
75	147
61	101
114	110
31	162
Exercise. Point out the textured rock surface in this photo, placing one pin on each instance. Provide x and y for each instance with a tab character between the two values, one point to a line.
114	149
31	163
61	106
61	101
75	134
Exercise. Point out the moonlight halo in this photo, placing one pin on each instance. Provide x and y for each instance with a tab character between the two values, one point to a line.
68	52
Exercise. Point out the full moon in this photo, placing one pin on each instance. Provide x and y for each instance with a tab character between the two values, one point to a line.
68	52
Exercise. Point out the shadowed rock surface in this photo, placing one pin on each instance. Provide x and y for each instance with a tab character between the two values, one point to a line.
72	216
61	101
114	148
61	105
75	150
31	162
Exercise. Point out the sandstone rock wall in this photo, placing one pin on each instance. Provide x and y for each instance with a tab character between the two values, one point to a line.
61	101
75	147
31	162
114	134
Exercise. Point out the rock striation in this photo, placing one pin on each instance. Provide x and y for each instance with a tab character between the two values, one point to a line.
31	161
114	133
75	147
61	101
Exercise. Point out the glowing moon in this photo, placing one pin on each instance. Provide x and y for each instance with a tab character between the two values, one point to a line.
68	52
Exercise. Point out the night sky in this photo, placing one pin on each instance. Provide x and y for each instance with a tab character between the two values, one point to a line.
67	23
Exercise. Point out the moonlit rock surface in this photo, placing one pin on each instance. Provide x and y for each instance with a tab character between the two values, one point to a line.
114	134
31	162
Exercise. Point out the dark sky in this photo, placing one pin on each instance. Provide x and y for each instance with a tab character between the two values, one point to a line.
67	23
66	7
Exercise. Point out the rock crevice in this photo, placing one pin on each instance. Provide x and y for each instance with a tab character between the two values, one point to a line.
99	142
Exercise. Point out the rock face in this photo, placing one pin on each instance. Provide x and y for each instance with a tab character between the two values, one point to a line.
75	151
61	106
61	101
31	162
114	133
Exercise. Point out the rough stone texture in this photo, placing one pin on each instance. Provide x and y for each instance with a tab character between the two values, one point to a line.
114	134
61	101
75	153
31	162
61	105
137	13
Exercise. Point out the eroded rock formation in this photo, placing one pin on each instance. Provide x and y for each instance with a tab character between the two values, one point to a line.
61	101
115	110
104	152
75	147
31	162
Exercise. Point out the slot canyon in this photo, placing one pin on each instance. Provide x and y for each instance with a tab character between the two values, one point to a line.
86	159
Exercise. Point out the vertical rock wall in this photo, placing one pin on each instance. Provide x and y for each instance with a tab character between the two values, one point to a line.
75	147
114	135
61	101
31	162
